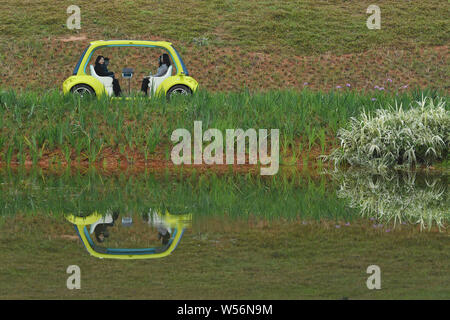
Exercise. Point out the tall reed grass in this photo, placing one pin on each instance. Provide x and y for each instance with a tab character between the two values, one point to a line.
35	125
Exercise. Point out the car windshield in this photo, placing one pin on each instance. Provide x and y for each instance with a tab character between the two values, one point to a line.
75	71
185	70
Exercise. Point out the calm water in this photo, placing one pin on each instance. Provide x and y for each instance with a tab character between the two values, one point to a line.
392	198
271	223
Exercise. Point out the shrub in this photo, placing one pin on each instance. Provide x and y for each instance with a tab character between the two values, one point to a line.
394	137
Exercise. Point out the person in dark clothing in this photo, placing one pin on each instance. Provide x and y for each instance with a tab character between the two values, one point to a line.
164	64
163	235
101	70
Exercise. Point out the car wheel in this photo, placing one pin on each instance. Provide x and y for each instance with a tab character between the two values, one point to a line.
83	90
178	89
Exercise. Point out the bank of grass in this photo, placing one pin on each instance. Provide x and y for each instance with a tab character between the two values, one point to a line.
49	128
231	44
230	260
306	27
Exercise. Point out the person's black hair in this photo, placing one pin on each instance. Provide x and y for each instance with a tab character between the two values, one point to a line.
164	237
164	59
98	59
101	232
115	215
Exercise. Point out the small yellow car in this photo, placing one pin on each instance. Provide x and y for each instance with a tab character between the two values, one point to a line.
175	226
84	81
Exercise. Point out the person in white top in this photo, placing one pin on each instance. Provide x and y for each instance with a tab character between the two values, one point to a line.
164	64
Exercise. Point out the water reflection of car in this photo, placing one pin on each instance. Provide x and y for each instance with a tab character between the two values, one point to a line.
170	231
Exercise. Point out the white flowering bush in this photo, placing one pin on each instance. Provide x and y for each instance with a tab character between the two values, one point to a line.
395	137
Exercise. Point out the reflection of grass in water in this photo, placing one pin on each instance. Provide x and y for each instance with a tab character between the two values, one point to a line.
283	196
276	261
397	197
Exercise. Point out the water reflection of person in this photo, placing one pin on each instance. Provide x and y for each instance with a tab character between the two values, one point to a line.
164	230
100	228
163	234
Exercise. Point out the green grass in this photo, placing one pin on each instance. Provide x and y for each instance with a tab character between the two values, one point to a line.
64	129
229	260
304	27
232	44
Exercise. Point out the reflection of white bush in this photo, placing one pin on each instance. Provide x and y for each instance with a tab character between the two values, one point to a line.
395	137
396	197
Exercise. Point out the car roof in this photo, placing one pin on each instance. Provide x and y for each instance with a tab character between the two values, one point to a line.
124	42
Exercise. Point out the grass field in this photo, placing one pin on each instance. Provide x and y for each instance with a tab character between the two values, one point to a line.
231	44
